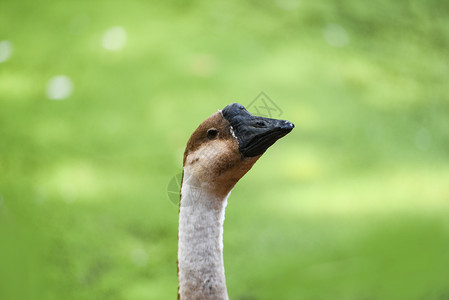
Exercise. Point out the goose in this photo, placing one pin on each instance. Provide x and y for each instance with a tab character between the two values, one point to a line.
219	152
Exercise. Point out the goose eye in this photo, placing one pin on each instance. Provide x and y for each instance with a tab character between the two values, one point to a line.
212	133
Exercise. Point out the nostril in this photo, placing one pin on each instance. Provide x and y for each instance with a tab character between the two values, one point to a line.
260	124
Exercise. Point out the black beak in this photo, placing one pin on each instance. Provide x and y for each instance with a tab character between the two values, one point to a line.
254	134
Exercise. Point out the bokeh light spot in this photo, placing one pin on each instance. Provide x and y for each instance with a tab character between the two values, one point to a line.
59	87
139	257
114	39
5	50
335	35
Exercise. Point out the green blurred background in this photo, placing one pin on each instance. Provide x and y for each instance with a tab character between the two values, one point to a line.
98	99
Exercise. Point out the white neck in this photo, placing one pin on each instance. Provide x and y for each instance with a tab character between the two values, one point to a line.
200	243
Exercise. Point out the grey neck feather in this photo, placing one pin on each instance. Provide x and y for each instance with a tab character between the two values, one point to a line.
200	244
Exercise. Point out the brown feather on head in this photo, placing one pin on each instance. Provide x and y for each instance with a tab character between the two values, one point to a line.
214	159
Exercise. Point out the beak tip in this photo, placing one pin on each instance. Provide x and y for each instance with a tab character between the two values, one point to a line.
287	126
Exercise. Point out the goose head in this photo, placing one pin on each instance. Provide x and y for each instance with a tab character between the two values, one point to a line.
226	145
